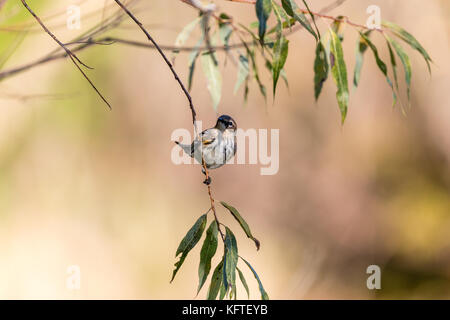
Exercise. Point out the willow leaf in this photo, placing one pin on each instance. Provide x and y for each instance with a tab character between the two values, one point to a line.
243	72
242	222
380	63
320	69
404	58
244	282
361	48
230	260
264	295
189	241
292	9
263	9
339	72
216	282
213	78
280	53
208	251
410	39
184	35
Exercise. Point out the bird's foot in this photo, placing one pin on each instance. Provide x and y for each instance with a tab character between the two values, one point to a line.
207	181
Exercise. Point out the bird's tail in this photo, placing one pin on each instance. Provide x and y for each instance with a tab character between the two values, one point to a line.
186	148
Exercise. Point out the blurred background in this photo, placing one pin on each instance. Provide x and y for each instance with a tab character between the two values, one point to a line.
82	185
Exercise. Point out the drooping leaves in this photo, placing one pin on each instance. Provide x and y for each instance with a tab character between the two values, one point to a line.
264	295
280	52
404	58
320	69
243	281
207	253
243	72
242	222
216	282
230	261
339	72
361	48
410	39
380	63
192	61
225	29
213	78
184	35
189	241
263	9
292	9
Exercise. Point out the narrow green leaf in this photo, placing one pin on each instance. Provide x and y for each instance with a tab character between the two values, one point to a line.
193	55
404	58
280	53
410	39
320	69
223	291
264	295
243	72
339	72
230	260
263	9
393	63
242	222
313	18
213	78
225	30
189	241
244	282
277	10
380	63
261	86
292	9
207	253
216	282
184	35
361	48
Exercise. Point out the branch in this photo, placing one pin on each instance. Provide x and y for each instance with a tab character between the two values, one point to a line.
188	96
70	54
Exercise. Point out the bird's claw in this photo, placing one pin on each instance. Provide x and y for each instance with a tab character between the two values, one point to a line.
207	181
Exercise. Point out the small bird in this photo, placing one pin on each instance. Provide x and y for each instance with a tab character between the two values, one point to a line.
217	146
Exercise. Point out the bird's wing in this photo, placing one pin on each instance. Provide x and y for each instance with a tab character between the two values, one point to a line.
209	135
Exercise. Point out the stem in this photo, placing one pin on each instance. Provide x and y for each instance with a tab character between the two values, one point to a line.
188	96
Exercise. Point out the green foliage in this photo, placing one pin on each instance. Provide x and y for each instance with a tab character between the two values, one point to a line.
272	46
242	222
380	63
207	253
189	241
263	10
339	72
320	69
292	9
223	278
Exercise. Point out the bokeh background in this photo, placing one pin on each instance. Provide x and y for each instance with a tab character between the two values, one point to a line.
82	185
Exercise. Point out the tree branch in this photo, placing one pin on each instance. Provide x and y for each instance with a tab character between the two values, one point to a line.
188	96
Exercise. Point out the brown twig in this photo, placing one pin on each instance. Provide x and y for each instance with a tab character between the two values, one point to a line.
70	54
188	96
177	78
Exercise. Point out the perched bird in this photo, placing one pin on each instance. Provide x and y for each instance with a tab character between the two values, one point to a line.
217	145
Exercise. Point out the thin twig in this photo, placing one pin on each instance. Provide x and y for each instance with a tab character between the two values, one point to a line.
188	96
70	54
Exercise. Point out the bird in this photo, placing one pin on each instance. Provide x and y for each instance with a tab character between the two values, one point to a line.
216	145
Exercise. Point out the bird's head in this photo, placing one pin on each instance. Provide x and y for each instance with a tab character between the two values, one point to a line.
225	122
